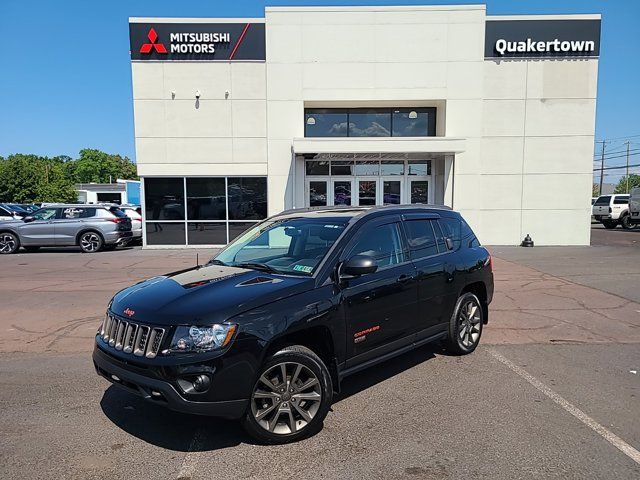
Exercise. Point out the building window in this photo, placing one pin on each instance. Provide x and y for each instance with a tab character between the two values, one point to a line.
217	209
164	198
247	198
370	122
414	122
325	122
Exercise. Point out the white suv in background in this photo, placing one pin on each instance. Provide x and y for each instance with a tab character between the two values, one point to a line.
634	206
611	210
134	212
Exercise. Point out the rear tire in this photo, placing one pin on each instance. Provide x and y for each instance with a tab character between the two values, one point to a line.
90	242
291	397
9	243
465	325
609	224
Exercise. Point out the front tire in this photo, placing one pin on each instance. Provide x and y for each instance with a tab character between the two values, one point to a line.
625	222
465	326
291	397
9	243
90	242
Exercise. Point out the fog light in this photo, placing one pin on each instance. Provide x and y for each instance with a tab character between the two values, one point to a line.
201	383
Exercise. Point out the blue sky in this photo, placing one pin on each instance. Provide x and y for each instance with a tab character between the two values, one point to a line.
65	80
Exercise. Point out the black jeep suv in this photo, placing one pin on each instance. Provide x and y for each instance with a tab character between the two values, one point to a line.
269	327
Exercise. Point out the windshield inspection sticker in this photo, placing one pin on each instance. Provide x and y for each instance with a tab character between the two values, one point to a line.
303	268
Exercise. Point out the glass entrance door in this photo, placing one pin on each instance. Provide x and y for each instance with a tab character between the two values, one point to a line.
392	190
341	192
317	192
367	190
419	191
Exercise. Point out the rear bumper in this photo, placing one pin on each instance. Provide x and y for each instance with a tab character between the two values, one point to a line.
161	392
118	237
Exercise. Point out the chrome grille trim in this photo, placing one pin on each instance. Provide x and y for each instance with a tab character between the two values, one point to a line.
131	337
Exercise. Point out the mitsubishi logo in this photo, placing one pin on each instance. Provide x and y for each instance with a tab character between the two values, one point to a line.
153	38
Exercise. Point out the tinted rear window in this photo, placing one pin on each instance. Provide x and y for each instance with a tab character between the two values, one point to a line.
421	238
117	212
603	200
620	200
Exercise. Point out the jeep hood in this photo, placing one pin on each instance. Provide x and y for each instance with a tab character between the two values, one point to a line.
203	295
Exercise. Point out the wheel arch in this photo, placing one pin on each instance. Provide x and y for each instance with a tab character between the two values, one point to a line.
479	289
87	230
318	339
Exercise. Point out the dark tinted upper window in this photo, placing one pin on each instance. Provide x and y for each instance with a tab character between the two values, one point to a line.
605	200
620	200
247	198
370	122
4	212
382	242
164	198
325	122
421	238
442	246
414	122
206	199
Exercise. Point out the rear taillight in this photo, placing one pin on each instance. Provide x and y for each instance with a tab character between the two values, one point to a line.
610	210
116	220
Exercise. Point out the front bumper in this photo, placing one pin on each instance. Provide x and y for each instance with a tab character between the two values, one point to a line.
159	391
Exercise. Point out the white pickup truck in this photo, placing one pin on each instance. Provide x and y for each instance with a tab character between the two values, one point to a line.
611	210
634	206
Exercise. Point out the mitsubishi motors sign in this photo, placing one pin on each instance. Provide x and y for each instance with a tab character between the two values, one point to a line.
197	41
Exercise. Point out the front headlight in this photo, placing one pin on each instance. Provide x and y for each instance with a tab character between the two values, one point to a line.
202	339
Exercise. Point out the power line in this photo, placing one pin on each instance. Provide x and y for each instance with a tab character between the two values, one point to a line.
614	168
619	138
620	151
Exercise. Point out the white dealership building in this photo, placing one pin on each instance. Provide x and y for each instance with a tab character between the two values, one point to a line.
237	119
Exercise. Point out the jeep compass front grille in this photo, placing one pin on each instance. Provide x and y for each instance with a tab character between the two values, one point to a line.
131	337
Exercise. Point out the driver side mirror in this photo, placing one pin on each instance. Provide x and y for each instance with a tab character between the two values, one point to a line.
358	265
28	219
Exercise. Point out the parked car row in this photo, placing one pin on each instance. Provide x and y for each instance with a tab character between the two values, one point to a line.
91	227
613	210
15	211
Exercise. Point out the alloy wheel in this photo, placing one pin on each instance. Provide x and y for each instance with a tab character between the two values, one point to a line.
90	242
286	398
470	323
7	243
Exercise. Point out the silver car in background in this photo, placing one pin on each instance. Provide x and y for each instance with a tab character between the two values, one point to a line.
91	227
134	212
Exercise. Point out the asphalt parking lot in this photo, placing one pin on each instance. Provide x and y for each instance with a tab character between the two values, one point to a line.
553	391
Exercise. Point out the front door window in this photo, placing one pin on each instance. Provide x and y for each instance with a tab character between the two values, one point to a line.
367	190
391	192
419	191
342	193
318	194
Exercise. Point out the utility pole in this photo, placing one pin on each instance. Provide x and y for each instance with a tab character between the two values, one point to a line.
627	142
601	166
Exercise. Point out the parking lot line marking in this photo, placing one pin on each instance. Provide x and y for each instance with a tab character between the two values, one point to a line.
190	460
609	436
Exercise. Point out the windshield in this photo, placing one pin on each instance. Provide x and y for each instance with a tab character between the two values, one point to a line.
292	245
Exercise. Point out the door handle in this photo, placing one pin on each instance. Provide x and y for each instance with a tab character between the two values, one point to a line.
404	278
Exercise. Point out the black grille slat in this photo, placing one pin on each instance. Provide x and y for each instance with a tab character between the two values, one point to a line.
131	337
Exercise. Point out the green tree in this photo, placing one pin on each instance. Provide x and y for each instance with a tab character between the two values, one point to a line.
595	190
31	178
99	167
634	181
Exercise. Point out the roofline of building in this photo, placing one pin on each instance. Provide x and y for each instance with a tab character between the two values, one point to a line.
568	16
376	8
194	20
